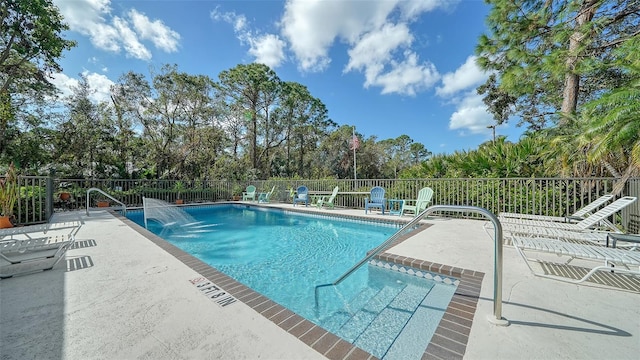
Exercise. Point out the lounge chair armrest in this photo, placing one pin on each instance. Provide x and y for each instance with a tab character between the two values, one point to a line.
570	218
630	238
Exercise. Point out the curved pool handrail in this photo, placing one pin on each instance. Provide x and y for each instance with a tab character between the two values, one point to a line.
497	270
124	207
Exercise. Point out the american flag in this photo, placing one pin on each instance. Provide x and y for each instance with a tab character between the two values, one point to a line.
354	144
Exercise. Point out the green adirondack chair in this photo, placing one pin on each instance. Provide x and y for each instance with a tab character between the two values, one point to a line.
328	202
417	206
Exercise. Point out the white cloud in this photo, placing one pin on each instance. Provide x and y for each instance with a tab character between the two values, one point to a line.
268	49
377	33
466	76
98	83
155	31
459	87
94	18
413	8
130	42
471	115
374	55
312	27
239	22
407	77
63	83
375	48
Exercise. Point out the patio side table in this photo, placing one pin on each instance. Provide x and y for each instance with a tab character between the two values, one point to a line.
395	206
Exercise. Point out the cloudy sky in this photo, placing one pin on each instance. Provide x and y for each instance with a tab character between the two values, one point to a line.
387	67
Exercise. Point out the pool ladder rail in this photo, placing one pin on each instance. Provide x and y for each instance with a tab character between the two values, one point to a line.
497	318
124	207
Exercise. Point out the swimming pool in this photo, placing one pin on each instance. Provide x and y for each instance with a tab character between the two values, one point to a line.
284	255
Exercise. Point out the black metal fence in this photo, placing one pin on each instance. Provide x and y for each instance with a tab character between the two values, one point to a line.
41	196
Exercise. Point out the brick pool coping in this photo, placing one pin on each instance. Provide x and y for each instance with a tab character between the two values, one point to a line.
448	342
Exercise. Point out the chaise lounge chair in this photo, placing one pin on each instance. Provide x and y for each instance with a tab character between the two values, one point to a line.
328	202
420	204
249	193
576	216
609	256
25	256
40	230
266	196
589	223
376	199
301	196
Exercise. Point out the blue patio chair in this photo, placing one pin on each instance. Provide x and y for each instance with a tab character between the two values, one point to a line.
302	195
375	200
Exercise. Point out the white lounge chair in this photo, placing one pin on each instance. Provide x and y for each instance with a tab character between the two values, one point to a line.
625	261
18	256
40	230
585	236
596	219
576	216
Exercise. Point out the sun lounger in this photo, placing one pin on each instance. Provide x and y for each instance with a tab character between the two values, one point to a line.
576	216
40	230
18	256
585	236
592	221
613	260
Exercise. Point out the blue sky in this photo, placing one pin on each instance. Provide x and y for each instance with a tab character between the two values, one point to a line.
387	67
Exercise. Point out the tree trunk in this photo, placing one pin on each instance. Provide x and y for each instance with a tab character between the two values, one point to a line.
572	79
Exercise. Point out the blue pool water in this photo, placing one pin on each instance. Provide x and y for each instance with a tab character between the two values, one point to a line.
283	256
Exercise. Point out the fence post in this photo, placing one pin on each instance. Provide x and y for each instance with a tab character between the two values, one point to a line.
49	198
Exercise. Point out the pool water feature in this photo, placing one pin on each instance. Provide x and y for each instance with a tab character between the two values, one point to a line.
283	255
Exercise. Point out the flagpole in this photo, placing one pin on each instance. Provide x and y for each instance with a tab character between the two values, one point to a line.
355	177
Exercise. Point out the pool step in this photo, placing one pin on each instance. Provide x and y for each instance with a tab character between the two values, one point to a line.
417	333
391	320
359	322
339	318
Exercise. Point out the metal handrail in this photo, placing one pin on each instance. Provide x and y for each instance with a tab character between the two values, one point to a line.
497	271
124	207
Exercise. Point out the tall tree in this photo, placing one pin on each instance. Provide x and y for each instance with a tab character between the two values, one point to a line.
31	43
174	111
551	56
84	138
611	128
254	88
334	158
304	122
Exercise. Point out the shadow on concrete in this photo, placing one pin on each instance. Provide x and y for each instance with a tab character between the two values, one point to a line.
33	312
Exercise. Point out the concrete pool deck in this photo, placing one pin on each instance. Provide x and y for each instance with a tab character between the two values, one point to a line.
120	296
